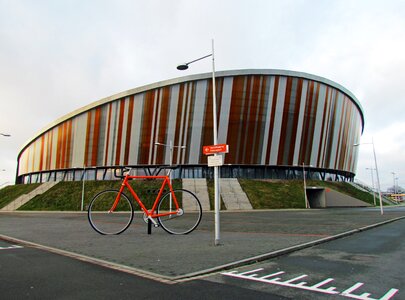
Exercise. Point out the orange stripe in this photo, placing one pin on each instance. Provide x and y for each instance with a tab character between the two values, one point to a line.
41	153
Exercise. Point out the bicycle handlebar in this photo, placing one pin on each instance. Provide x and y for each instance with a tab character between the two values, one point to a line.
158	169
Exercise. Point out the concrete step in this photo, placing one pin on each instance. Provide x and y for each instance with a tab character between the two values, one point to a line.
20	201
233	196
198	186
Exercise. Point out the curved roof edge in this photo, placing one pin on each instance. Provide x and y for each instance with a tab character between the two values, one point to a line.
187	78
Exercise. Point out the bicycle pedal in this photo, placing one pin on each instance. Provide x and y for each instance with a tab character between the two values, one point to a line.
156	225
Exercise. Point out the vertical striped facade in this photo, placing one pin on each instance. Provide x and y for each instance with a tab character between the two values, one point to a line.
267	117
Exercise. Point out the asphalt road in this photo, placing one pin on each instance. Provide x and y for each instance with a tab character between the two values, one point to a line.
366	265
29	273
373	258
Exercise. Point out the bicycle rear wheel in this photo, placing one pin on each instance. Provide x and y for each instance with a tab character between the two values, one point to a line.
105	222
187	219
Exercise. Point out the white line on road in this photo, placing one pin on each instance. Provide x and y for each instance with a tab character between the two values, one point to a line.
303	285
11	247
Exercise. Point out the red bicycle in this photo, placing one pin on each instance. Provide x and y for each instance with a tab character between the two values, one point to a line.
178	211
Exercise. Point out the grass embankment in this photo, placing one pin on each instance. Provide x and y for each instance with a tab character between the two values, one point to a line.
263	194
67	196
12	192
290	193
274	193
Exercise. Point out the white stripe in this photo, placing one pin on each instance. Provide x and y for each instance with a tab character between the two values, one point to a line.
278	119
198	121
136	129
225	109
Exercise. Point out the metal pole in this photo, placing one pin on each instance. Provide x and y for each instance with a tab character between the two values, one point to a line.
84	173
171	170
216	169
305	186
372	183
378	178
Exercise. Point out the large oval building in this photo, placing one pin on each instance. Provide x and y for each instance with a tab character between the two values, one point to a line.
274	121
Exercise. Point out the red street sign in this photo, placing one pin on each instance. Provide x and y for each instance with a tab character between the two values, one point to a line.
213	149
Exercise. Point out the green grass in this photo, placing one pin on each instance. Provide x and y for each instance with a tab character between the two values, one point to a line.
12	192
67	196
211	195
271	194
263	194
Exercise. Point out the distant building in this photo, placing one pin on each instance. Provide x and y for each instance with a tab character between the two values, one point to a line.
274	121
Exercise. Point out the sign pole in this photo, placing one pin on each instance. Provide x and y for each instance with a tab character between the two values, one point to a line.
216	173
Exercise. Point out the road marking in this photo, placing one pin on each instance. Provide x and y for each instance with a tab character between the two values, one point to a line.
319	287
11	247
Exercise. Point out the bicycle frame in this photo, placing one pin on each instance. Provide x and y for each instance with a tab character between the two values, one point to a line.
149	213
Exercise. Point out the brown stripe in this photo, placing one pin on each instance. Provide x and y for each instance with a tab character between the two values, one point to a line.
207	130
258	135
234	118
283	132
155	122
251	128
146	127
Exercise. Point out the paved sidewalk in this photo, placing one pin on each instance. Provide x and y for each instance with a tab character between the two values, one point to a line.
243	234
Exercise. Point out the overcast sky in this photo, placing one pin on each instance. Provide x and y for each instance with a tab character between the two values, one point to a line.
59	55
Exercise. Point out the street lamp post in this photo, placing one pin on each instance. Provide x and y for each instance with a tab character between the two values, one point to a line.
394	187
171	147
305	185
215	137
372	183
376	170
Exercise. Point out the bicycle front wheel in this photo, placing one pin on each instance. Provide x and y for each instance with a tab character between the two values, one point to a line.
105	222
186	219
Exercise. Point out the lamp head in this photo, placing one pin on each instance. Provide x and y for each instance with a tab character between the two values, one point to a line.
182	67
